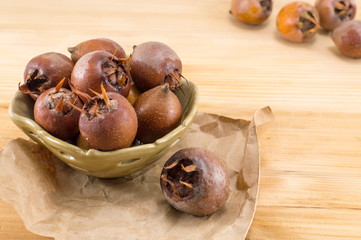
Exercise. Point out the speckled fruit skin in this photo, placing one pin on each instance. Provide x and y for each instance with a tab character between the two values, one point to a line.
212	189
91	45
329	19
159	112
287	20
51	66
57	124
88	74
250	11
347	38
152	63
111	131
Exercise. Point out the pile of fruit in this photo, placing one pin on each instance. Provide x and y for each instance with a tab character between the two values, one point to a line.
103	98
108	101
300	21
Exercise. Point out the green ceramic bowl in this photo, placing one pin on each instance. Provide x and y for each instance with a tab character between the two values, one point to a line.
110	164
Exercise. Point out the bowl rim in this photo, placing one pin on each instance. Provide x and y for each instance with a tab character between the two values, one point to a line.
61	144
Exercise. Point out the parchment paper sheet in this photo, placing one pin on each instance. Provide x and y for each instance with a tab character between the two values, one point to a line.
56	201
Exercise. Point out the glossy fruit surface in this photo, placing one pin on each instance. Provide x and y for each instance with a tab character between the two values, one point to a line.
334	12
298	22
195	181
153	64
347	38
91	45
251	11
100	67
46	71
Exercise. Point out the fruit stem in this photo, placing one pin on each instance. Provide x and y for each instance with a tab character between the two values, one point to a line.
72	49
165	87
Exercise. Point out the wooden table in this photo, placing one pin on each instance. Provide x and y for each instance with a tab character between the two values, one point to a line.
311	154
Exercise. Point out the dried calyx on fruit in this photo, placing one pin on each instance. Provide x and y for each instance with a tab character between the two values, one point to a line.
45	71
159	111
91	45
107	121
153	64
133	93
195	181
54	113
334	12
100	67
347	38
298	21
251	11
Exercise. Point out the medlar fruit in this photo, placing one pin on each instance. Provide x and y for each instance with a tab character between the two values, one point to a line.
46	71
298	22
347	38
53	113
100	67
108	122
153	64
251	11
195	181
334	12
91	45
159	111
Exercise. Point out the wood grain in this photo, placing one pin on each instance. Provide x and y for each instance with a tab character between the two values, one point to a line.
311	167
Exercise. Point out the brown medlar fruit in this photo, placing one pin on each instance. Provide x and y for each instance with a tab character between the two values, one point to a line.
335	12
153	64
347	38
91	45
100	67
251	11
108	122
46	71
159	111
195	181
53	113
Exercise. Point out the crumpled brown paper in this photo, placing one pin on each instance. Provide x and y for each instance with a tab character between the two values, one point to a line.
56	201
